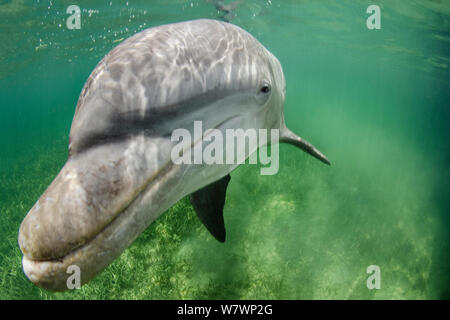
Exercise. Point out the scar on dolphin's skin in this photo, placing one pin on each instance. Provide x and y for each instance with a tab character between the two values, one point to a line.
119	176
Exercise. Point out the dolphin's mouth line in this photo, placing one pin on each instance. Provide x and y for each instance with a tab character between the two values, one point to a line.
146	187
164	169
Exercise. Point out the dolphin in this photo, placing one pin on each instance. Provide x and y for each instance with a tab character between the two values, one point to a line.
119	175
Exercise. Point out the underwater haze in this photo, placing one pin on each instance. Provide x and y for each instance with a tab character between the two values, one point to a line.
376	102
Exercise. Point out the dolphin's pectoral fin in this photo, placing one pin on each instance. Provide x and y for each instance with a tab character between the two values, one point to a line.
208	202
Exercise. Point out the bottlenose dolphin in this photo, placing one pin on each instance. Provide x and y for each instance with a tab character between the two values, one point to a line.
119	176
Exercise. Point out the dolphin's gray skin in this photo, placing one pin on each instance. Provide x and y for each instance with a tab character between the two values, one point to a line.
119	176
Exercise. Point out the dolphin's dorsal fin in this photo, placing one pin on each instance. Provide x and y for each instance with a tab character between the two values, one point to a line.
208	202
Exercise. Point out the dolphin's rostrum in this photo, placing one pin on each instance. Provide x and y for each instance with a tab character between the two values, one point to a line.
119	176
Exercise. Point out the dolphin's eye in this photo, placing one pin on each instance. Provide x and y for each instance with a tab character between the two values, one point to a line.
265	88
263	92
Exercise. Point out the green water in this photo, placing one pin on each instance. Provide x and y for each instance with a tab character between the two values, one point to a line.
376	102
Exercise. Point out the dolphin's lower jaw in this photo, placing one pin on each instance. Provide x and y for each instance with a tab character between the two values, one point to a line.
93	256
